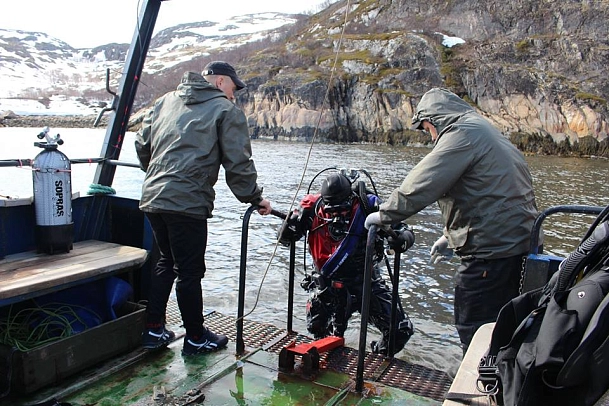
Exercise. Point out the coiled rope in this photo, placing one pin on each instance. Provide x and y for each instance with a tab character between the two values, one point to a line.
97	189
36	326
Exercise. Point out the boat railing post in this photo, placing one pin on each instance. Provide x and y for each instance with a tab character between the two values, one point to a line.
395	280
291	286
535	231
134	64
291	275
367	291
242	273
240	346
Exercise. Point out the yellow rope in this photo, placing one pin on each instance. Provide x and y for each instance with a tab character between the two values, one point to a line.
36	326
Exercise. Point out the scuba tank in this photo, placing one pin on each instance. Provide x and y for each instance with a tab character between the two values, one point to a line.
52	196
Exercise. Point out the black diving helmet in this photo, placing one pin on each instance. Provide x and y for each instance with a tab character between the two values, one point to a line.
336	193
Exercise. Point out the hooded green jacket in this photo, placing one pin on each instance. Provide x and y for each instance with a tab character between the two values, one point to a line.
183	141
479	179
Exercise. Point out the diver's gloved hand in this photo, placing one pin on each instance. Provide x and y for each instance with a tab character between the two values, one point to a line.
307	283
440	251
373	218
403	239
288	232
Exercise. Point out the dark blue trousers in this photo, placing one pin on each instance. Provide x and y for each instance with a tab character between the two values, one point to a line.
482	287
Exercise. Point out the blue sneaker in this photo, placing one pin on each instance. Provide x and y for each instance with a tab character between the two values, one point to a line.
154	338
208	342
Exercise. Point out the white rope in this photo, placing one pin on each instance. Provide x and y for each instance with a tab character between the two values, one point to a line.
304	170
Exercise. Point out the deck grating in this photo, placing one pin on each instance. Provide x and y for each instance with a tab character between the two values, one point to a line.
400	374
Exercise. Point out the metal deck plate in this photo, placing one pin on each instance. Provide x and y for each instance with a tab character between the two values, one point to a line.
394	372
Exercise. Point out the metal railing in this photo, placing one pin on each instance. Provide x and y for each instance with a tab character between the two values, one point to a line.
240	345
367	293
28	162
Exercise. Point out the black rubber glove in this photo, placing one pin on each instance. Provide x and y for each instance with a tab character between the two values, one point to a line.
289	231
402	240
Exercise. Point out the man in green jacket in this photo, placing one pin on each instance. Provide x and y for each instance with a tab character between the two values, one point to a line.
184	139
484	189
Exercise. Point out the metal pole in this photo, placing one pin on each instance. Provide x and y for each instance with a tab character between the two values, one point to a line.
242	272
367	291
122	104
395	280
240	345
16	162
291	286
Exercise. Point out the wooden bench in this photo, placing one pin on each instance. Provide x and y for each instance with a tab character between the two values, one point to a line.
465	380
30	274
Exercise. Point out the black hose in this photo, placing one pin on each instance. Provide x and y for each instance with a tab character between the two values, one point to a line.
371	180
583	255
317	175
363	197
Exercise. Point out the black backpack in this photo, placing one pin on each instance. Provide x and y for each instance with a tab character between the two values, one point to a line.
550	346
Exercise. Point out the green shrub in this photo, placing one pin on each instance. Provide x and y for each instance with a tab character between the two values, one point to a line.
587	146
589	97
523	46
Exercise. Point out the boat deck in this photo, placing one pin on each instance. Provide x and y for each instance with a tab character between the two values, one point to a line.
463	389
394	372
164	377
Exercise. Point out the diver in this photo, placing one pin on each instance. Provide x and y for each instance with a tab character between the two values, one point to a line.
334	220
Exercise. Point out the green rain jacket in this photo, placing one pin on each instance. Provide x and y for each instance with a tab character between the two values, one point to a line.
183	141
479	179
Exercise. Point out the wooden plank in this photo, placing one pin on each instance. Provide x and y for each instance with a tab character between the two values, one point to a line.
30	279
24	201
465	380
28	267
23	275
19	201
33	258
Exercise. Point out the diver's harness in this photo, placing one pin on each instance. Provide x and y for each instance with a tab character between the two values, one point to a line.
351	239
319	282
336	225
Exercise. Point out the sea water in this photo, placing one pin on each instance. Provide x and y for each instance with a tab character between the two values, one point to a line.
285	170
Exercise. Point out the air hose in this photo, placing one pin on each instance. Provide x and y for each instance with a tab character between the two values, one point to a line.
363	197
588	252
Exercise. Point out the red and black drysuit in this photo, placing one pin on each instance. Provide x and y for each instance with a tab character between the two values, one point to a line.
337	244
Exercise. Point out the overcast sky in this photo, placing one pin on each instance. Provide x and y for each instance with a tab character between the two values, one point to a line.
86	23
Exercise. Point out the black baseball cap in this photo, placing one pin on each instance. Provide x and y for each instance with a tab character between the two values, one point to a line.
223	68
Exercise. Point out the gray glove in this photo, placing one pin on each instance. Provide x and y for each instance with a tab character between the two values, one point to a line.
373	218
440	251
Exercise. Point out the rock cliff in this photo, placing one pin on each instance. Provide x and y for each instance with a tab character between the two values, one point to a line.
355	71
532	67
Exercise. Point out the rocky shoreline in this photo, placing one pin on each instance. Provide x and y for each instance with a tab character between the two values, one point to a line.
10	119
529	144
